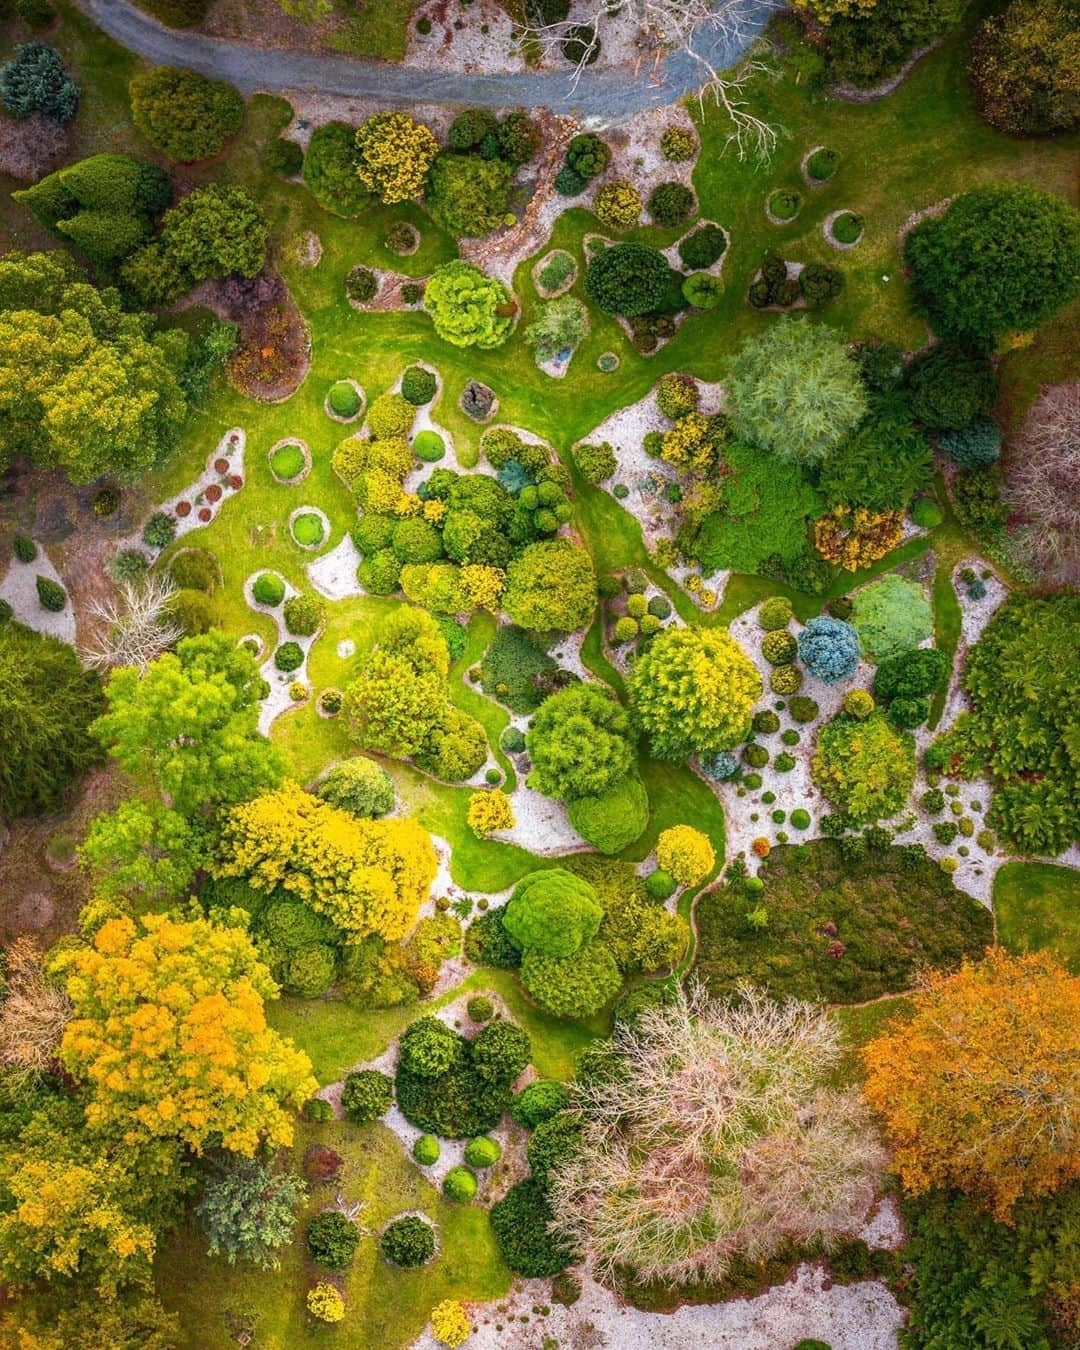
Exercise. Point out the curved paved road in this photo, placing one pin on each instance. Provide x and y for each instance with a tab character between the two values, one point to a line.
606	93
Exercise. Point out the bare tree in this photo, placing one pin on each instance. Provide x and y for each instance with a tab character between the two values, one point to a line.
32	1017
709	32
135	629
1042	483
708	1132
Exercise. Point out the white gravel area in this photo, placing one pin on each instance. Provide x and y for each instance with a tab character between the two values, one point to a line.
334	573
19	589
540	824
862	1316
231	448
278	700
457	42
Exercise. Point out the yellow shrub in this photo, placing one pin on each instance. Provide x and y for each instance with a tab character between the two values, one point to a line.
483	586
488	812
854	537
395	154
434	510
689	445
686	853
436	586
325	1303
450	1324
367	876
617	204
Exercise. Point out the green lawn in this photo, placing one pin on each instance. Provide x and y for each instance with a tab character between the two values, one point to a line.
1037	908
385	1307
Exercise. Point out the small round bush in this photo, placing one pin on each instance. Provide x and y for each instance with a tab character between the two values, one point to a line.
418	385
426	1150
319	1110
822	164
628	279
361	285
482	1152
588	155
459	1185
416	541
775	613
289	656
829	649
779	647
803	709
480	1009
926	513
287	462
617	204
343	399
408	1242
332	1239
512	740
538	1102
660	607
660	884
753	781
786	680
284	157
359	786
366	1096
569	183
859	703
429	446
790	736
678	145
784	204
308	529
784	763
671	203
840	606
268	589
429	1048
819	283
390	415
500	1052
304	614
800	819
159	531
625	629
766	722
756	756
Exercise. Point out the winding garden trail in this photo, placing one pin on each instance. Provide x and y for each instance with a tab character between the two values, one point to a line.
603	93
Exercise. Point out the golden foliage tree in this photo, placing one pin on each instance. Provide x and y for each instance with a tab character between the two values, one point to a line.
395	152
169	1031
368	876
978	1089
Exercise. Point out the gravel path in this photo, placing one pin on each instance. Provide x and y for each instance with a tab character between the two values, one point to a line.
605	94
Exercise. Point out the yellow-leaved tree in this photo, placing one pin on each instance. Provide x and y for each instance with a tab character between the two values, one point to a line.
367	876
394	154
169	1032
978	1089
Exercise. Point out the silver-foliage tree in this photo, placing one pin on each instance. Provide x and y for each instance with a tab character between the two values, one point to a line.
709	1131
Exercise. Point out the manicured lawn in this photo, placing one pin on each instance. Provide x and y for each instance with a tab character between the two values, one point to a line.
386	1307
1037	908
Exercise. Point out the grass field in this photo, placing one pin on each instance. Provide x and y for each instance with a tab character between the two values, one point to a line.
1037	908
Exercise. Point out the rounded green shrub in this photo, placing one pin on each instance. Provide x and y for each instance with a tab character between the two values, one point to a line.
784	204
366	1096
418	385
822	164
800	819
429	446
310	971
308	529
459	1185
539	1101
766	722
575	986
332	1239
615	818
553	912
195	569
343	399
287	462
672	203
482	1152
803	709
480	1008
268	589
926	513
289	656
779	647
786	680
304	614
775	613
660	884
426	1150
408	1242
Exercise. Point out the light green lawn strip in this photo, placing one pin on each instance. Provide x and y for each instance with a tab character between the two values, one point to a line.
860	1025
1037	908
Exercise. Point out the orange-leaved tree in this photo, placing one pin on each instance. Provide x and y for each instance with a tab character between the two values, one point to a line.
979	1089
169	1031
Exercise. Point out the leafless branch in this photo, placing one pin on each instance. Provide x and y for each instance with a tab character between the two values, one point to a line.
32	1018
1042	483
135	629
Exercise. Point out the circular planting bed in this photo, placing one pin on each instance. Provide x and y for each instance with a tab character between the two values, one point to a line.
843	229
783	205
344	401
403	239
819	164
253	643
555	273
309	526
428	446
328	704
268	590
608	363
289	460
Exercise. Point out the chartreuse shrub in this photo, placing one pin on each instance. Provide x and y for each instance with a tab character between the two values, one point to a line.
359	786
613	819
183	114
468	308
459	1185
1024	722
692	691
450	1323
539	1101
867	768
841	929
366	1096
553	912
575	986
580	742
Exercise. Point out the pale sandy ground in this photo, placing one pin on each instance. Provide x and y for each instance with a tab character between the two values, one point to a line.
19	589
